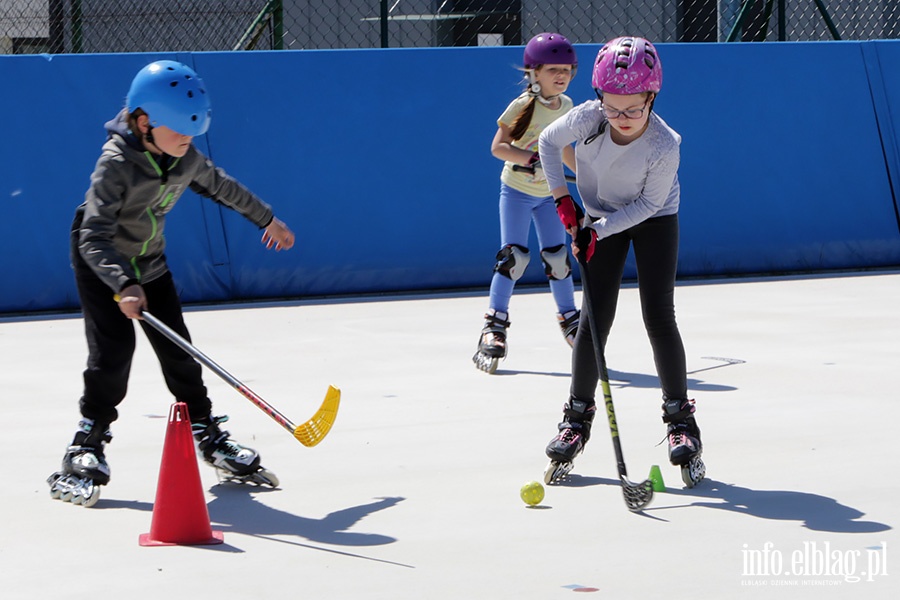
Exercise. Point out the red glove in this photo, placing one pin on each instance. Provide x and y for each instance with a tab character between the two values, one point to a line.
569	212
586	242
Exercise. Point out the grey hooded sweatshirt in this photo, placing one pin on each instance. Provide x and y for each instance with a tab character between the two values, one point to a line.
118	230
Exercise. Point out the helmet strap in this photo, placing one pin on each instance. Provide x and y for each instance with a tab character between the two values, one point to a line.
534	90
598	133
546	101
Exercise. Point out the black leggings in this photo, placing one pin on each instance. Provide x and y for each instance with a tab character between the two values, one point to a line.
111	343
656	254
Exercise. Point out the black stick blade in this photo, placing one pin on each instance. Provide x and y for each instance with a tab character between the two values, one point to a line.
637	495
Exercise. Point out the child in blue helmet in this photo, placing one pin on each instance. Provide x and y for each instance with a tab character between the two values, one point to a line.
117	253
550	64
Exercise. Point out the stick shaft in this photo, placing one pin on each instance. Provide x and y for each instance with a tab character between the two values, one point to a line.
611	417
203	359
601	367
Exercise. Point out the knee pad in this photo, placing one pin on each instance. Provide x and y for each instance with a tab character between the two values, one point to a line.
512	260
556	262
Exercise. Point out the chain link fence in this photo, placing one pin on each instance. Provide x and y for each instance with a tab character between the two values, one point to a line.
77	26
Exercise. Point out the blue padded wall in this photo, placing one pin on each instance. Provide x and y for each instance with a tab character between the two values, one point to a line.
380	162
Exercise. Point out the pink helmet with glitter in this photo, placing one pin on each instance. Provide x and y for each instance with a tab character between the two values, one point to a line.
549	49
627	65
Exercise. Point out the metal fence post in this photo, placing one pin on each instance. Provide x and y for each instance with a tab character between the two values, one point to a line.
384	24
77	28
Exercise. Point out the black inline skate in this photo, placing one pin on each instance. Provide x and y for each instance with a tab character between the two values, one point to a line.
231	461
492	341
685	447
574	433
84	467
568	323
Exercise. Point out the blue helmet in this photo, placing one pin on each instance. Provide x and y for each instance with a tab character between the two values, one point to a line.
173	96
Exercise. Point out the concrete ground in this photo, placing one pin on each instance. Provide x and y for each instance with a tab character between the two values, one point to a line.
415	492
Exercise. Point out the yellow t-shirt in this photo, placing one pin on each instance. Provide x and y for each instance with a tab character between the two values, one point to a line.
534	185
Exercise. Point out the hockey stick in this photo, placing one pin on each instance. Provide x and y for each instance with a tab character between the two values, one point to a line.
309	433
530	170
637	495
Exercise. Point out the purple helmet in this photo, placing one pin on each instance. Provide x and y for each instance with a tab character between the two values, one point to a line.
627	65
549	49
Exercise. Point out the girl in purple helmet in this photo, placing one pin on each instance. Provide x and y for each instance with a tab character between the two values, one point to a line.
627	159
117	253
550	64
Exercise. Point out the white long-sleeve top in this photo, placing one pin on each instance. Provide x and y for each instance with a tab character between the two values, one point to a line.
620	186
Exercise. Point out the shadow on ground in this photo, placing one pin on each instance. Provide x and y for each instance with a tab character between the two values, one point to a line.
236	509
813	511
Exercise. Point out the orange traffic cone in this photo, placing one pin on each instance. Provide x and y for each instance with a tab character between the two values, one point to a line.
180	516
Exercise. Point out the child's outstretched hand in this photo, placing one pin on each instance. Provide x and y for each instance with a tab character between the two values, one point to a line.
277	234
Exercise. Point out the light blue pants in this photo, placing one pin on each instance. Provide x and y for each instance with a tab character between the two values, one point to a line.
517	211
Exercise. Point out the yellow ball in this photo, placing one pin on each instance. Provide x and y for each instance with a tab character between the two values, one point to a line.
532	493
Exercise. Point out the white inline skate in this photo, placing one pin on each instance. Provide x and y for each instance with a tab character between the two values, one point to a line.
232	462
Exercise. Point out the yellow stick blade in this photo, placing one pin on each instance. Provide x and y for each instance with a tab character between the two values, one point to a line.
314	431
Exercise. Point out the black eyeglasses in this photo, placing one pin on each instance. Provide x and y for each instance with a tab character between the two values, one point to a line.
629	113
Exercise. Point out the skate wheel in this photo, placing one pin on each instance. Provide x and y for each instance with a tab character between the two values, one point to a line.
53	482
266	477
67	496
557	470
693	472
55	490
548	474
92	498
486	363
260	477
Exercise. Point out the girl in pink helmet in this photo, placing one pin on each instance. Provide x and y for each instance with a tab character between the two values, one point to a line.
627	168
550	64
